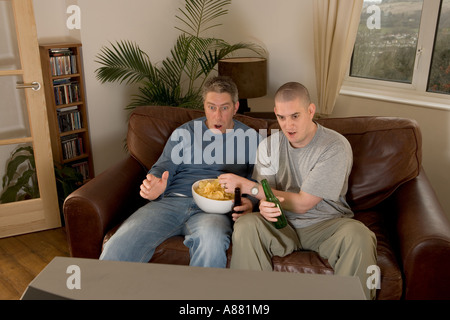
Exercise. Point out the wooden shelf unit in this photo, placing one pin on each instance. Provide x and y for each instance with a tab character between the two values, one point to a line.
66	106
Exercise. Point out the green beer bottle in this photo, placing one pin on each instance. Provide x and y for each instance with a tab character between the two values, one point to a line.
282	222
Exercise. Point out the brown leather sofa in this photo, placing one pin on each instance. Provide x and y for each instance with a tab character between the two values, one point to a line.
388	191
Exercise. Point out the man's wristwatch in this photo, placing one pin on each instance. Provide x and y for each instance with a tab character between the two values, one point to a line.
255	190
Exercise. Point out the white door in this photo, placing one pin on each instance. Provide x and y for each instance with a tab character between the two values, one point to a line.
28	194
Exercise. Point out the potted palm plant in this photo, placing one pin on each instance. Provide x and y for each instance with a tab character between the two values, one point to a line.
178	79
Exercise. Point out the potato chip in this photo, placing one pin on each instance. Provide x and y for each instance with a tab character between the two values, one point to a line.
212	189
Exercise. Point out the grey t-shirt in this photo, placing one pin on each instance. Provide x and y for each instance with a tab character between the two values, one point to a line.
321	168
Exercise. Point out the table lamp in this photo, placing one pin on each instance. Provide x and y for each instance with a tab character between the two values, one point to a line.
250	76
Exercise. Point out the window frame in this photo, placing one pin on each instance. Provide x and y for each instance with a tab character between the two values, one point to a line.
415	93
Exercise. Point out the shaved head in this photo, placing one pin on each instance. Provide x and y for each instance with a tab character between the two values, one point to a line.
292	91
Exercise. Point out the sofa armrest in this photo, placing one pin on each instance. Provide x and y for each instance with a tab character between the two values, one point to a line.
97	206
424	238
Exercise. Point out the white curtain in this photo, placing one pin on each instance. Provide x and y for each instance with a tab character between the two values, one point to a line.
335	28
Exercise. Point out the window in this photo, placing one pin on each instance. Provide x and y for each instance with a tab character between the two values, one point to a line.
439	80
386	43
403	47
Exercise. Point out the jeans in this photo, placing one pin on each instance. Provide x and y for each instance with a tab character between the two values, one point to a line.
207	235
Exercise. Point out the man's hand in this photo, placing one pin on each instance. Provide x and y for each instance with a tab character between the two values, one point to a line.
246	207
269	211
152	187
230	181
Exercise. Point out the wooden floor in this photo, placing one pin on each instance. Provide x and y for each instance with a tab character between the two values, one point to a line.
23	257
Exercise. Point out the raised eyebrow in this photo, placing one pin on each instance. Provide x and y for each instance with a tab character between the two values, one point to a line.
222	105
289	115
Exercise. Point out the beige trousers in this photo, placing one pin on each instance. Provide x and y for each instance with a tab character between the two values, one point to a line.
347	244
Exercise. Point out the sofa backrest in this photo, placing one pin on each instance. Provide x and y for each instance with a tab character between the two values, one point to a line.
386	151
149	128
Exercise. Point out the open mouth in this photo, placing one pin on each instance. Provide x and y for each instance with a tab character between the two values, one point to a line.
291	133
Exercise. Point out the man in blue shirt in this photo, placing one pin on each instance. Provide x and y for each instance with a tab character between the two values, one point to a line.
203	148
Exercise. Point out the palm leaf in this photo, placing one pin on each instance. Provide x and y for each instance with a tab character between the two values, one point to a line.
196	50
174	66
198	13
156	93
124	62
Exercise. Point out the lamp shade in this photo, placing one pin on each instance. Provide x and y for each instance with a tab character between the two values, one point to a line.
249	74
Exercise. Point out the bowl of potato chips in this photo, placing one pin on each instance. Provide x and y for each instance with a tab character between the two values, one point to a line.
211	197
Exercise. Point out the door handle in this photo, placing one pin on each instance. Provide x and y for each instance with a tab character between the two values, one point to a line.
36	86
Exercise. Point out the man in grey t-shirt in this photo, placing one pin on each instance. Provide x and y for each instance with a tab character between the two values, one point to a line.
307	166
321	169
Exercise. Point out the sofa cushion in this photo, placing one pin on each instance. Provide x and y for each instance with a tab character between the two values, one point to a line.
391	275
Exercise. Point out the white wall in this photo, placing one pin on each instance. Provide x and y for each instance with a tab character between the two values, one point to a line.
51	19
284	28
147	23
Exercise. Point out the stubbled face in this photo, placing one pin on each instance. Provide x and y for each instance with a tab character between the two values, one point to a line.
295	119
219	110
